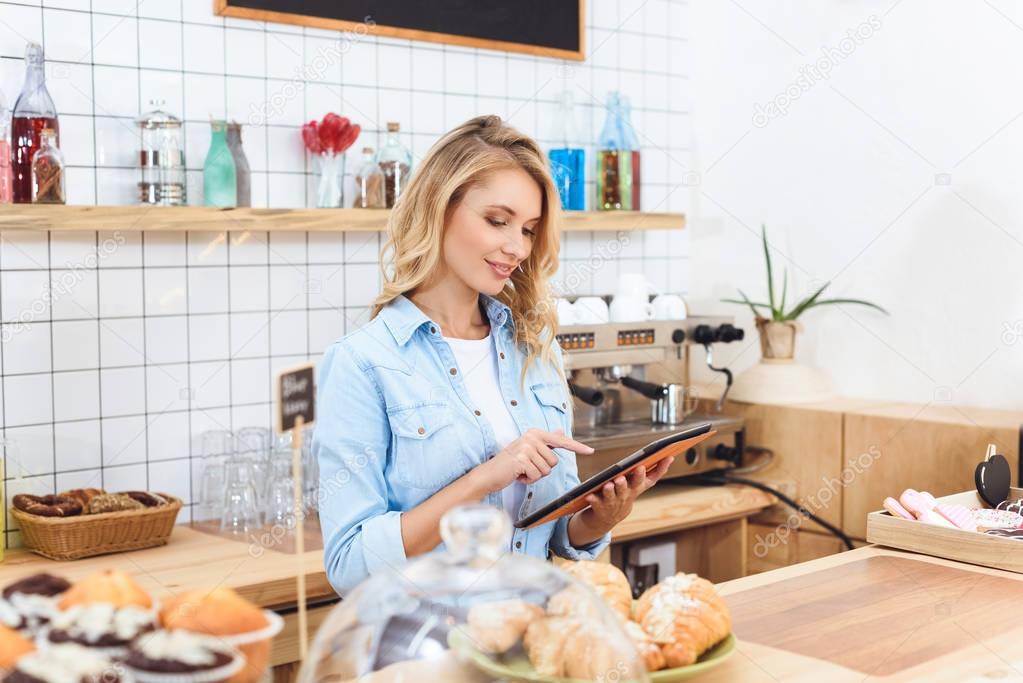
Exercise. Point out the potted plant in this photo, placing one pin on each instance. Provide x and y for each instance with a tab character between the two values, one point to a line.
776	325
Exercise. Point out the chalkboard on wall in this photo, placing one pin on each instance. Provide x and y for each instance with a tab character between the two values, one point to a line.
550	28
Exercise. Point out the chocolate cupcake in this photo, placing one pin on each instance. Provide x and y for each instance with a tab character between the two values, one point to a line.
64	664
28	605
101	625
178	656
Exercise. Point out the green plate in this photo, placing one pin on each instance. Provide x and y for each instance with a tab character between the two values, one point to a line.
519	668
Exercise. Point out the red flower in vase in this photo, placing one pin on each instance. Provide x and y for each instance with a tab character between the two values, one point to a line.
333	135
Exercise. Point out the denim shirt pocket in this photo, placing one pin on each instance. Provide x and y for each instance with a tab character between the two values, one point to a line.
551	397
427	451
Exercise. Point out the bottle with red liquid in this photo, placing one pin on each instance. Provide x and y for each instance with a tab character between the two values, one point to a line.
33	111
5	152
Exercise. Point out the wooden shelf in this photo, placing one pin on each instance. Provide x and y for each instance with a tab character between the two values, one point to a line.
176	218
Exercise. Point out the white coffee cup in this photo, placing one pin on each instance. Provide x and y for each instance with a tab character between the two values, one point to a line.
630	284
566	312
627	308
669	307
590	310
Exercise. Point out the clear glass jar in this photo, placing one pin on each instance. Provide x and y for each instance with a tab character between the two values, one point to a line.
48	171
395	162
219	182
161	158
33	111
369	183
472	612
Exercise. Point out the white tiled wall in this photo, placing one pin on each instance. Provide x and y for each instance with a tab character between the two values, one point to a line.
119	348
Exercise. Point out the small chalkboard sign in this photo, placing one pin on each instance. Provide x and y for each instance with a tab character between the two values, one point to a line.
296	397
539	27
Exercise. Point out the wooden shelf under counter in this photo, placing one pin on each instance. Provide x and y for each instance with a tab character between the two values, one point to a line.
200	218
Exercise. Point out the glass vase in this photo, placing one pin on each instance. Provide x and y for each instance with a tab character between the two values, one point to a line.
330	174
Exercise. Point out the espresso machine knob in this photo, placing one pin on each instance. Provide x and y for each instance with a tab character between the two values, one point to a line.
678	336
703	334
729	333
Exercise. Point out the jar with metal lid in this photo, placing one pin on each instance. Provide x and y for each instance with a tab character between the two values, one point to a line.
161	157
472	612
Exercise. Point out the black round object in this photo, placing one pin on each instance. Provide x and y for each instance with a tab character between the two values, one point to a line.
993	479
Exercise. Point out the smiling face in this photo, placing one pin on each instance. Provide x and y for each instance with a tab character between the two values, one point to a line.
491	231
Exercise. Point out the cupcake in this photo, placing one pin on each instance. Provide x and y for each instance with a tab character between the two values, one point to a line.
12	646
28	604
182	657
101	625
64	664
222	612
112	586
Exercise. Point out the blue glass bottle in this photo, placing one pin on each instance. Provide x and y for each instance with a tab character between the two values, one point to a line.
568	160
219	176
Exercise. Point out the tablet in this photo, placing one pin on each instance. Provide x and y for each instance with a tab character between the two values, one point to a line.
649	455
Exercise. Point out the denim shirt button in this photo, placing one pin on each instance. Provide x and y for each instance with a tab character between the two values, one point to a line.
514	402
518	544
453	371
502	355
478	413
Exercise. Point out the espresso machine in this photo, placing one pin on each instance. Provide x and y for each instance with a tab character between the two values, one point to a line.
631	385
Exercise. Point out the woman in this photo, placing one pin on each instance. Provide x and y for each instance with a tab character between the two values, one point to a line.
454	392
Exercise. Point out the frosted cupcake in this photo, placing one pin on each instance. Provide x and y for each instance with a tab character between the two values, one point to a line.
101	625
28	605
178	656
64	664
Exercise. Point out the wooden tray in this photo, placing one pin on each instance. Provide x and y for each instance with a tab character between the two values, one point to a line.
72	538
997	552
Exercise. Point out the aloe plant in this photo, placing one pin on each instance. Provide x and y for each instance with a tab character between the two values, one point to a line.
777	312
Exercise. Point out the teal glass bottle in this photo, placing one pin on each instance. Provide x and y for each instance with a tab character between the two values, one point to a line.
219	176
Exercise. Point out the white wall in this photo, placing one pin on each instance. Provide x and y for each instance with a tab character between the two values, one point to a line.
898	176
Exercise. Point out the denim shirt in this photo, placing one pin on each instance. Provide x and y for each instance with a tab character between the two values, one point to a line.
395	424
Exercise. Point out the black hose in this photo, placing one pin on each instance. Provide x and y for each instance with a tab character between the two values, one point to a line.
721	477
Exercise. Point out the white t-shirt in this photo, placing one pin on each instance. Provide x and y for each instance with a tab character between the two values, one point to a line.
478	362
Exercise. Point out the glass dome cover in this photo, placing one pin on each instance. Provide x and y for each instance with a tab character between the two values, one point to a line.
474	613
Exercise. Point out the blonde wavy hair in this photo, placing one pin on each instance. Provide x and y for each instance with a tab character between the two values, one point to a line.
460	160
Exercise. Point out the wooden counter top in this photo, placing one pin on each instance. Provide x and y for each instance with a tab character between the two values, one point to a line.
876	614
194	559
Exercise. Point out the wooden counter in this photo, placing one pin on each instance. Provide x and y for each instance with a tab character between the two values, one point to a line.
876	614
192	560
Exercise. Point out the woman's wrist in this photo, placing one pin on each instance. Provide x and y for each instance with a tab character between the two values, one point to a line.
584	528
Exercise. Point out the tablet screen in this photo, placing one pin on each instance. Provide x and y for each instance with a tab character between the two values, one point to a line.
652	453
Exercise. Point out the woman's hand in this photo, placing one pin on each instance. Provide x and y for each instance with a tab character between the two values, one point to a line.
613	502
527	459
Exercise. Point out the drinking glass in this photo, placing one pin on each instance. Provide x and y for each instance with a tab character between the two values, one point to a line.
216	445
280	509
240	513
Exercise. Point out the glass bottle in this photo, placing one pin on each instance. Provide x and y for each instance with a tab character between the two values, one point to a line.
243	175
568	160
369	183
631	144
219	180
5	154
33	111
161	157
613	191
48	170
396	163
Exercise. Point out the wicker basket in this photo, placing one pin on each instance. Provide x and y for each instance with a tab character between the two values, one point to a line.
72	538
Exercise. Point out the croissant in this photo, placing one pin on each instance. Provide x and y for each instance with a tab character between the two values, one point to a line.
47	506
544	643
495	627
685	616
653	658
607	580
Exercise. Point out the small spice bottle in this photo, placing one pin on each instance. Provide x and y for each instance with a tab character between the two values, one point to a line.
48	170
